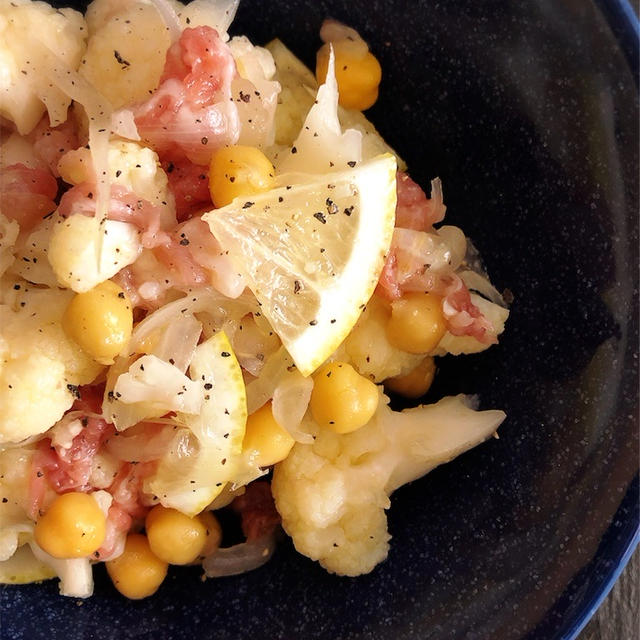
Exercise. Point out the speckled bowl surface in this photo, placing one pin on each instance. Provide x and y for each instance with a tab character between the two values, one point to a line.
528	111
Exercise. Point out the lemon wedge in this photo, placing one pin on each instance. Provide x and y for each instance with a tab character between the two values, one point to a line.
206	450
312	253
23	567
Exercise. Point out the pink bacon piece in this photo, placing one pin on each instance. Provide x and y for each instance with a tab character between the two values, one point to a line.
191	113
27	195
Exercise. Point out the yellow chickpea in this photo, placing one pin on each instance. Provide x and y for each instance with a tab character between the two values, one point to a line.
264	439
239	171
358	76
100	321
173	536
342	400
415	383
213	533
137	573
417	324
73	526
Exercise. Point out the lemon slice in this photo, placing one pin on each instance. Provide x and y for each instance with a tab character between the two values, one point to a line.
312	253
23	567
206	451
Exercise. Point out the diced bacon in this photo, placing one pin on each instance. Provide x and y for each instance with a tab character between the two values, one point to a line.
463	317
68	469
257	510
27	195
414	210
189	184
124	206
51	143
118	524
419	261
191	114
178	259
126	488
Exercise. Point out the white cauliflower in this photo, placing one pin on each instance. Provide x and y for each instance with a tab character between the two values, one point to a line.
126	50
40	367
27	31
332	494
31	261
73	250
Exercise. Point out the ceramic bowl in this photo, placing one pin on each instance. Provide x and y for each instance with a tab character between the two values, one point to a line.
528	111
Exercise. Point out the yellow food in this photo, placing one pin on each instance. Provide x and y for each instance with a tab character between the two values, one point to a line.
239	171
358	74
417	324
126	51
72	527
312	253
342	400
173	536
415	383
205	452
40	367
265	441
137	573
100	321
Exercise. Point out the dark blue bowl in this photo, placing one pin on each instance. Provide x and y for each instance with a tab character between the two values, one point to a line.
528	111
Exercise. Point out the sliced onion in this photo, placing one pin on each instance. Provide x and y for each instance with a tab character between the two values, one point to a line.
169	17
290	402
455	239
261	389
123	124
179	341
141	447
480	283
241	558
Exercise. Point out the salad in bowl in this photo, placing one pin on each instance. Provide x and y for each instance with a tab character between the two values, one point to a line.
214	276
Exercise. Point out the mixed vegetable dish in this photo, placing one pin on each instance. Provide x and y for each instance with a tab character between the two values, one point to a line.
214	273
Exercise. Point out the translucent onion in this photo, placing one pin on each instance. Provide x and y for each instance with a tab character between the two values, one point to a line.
290	402
169	17
241	558
261	389
480	283
455	239
334	31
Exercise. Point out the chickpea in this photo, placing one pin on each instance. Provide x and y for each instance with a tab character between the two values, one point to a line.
415	383
213	532
264	439
239	171
358	76
173	536
137	573
73	526
342	400
100	321
417	324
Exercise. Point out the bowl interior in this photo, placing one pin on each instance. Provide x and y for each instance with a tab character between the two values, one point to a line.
529	114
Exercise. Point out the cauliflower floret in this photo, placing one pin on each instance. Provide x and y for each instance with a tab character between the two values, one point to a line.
132	166
332	494
126	50
25	27
73	250
368	349
39	366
